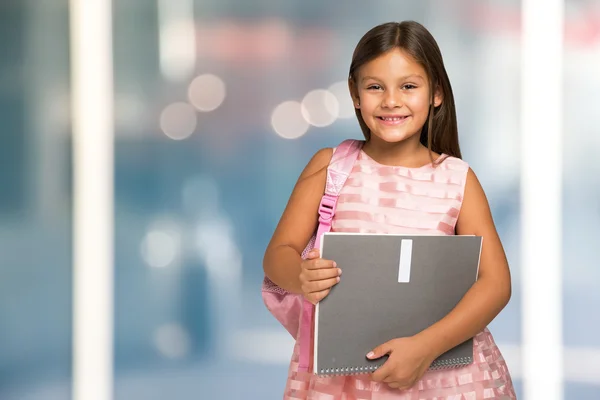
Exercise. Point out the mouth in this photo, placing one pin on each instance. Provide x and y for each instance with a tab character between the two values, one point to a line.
393	119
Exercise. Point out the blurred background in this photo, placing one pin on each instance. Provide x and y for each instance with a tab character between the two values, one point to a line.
209	140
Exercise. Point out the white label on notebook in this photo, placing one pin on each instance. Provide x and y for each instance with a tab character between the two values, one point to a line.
405	261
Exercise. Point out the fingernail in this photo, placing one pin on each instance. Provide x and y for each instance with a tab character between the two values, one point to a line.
339	271
337	279
370	355
334	264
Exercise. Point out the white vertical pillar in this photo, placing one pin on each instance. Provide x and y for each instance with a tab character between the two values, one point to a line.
541	192
92	117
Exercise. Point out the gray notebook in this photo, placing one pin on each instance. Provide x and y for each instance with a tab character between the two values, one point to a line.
391	286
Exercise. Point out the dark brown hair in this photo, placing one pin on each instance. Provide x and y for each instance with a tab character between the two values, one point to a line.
440	132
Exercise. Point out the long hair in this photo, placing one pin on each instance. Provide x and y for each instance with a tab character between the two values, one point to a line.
440	132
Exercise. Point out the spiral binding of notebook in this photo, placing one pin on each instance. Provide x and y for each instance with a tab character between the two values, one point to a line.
366	369
439	364
451	363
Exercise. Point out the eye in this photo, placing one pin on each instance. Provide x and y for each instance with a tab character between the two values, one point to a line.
374	87
409	86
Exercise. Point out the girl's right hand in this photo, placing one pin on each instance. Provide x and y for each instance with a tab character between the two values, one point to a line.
317	276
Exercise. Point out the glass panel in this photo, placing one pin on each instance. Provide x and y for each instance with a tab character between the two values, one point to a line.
35	202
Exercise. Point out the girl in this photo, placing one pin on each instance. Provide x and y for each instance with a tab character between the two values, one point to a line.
408	178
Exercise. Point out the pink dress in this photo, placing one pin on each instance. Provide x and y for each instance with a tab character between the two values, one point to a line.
385	199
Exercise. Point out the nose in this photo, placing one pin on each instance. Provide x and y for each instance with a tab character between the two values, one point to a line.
391	99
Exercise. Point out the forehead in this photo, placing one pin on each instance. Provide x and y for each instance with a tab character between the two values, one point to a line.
394	64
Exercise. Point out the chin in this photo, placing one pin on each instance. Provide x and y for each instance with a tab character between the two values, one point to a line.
392	137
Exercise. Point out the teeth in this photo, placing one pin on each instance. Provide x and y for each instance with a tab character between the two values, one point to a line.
392	118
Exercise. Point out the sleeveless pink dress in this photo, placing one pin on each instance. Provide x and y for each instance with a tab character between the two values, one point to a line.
386	199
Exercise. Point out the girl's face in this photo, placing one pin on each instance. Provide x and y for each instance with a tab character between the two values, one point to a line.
393	95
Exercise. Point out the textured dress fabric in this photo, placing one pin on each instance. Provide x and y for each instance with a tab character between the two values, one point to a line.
391	199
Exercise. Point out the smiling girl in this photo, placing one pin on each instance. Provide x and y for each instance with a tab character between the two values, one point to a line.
408	178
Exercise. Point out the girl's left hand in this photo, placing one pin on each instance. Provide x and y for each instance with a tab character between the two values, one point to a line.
409	358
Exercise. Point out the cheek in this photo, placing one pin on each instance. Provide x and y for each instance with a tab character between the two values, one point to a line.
366	115
368	105
419	105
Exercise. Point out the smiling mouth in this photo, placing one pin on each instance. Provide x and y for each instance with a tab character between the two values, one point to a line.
392	120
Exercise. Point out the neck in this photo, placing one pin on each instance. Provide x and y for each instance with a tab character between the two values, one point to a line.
409	153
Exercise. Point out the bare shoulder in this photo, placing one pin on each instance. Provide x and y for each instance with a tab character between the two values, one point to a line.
319	162
299	219
475	215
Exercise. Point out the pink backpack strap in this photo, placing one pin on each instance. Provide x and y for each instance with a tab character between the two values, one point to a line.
339	169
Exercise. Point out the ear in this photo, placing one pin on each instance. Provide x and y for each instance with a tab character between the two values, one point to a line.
438	96
353	92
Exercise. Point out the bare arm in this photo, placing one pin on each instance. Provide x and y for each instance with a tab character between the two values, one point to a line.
492	291
282	259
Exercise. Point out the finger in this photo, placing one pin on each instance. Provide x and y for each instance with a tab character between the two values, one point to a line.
380	351
314	253
395	379
319	286
382	373
394	385
320	264
317	296
322	274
